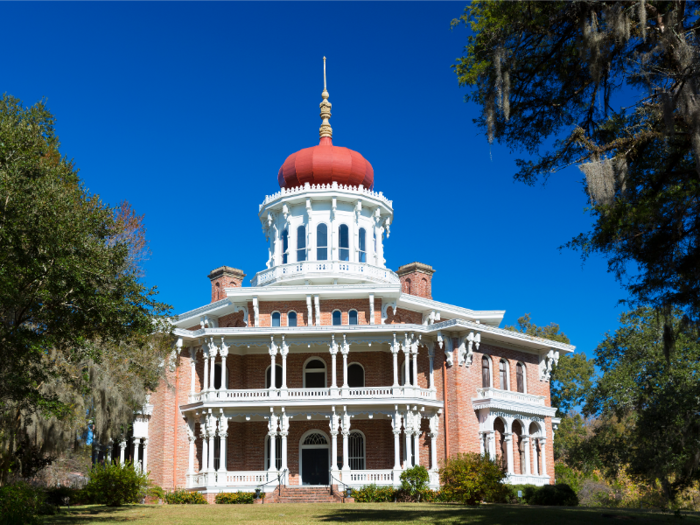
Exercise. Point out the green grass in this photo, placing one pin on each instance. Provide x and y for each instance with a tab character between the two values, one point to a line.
369	513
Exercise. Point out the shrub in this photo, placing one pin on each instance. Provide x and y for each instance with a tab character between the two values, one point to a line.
414	481
373	494
20	504
560	494
184	497
115	484
234	498
470	478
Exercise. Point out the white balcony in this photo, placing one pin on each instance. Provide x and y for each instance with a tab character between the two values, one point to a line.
359	478
507	395
245	396
302	271
512	402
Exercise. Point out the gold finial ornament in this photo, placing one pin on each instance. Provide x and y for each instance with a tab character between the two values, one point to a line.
325	130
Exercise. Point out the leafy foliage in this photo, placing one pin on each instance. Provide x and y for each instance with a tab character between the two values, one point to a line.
647	403
559	494
373	494
115	485
471	478
414	480
185	497
20	504
235	497
613	87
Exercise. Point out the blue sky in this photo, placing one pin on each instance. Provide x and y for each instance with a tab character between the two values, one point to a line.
187	110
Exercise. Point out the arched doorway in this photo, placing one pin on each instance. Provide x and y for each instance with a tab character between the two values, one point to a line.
314	448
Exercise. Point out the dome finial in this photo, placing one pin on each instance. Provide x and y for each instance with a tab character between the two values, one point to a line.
325	130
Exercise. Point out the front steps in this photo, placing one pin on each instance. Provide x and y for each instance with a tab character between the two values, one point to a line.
304	494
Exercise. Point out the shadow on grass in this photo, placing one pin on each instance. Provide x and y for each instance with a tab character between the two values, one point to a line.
486	515
93	514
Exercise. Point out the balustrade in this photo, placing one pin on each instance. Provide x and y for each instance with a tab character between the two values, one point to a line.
507	395
295	270
261	394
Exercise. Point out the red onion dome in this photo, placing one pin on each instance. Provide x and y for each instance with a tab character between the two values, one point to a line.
325	164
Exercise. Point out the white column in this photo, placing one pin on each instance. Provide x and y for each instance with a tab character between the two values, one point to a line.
536	467
526	451
193	451
273	371
145	456
434	426
317	304
508	437
407	364
416	441
482	444
346	438
415	365
395	346
212	450
136	442
193	369
543	442
491	438
212	362
224	372
284	350
431	375
272	432
334	422
110	447
371	296
205	354
122	449
223	436
284	432
334	380
396	423
407	431
310	311
205	447
345	350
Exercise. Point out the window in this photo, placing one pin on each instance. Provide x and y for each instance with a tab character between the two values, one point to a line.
337	318
301	243
485	372
285	246
278	377
503	374
352	317
276	318
520	377
407	286
344	243
292	319
278	452
502	451
374	233
356	376
315	374
356	450
322	242
363	245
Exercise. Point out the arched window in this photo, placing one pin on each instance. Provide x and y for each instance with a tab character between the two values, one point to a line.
276	318
407	286
356	376
502	451
520	377
278	452
292	319
322	242
503	374
278	377
410	373
315	374
374	235
356	450
485	372
518	431
344	243
363	245
352	317
337	318
301	243
285	246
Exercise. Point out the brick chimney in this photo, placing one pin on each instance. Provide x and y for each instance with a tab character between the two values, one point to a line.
416	279
224	277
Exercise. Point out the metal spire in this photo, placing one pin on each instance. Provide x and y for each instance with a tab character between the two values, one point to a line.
325	130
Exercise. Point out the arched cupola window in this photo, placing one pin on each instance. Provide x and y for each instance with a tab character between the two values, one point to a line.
363	245
322	242
344	243
352	317
337	318
301	243
292	319
285	246
276	317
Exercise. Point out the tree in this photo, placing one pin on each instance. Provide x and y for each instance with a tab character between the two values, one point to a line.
613	87
647	404
80	334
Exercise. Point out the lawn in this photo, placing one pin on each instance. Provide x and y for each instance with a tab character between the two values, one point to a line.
377	513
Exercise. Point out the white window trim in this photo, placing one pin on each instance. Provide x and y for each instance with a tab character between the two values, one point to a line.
294	312
325	370
296	243
352	310
272	320
491	382
364	446
524	376
328	242
504	360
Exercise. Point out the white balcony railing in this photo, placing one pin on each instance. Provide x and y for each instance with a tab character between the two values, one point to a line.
302	270
527	479
251	478
262	394
369	477
507	395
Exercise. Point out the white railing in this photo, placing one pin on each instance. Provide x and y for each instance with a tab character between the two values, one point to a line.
527	479
325	187
369	392
507	395
197	480
252	477
299	270
369	477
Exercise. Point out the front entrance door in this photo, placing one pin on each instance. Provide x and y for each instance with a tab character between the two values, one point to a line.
314	466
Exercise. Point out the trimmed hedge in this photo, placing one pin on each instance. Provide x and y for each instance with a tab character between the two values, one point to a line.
114	484
560	494
21	504
234	498
185	497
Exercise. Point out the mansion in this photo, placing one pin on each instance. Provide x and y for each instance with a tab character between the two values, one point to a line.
330	368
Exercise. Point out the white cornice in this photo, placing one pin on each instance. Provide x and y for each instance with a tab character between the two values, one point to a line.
325	192
414	302
513	406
